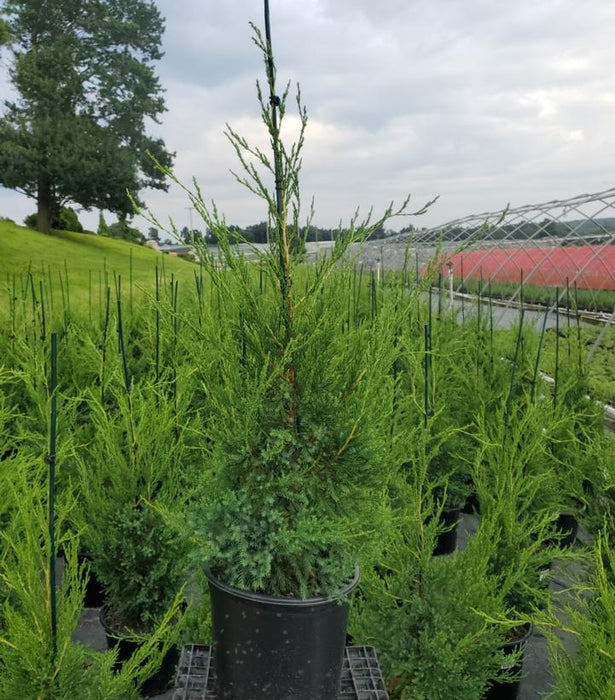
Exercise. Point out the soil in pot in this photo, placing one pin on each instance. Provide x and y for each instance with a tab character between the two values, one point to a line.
446	541
117	638
510	691
270	648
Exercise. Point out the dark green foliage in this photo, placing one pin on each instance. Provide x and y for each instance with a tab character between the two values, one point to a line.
296	471
86	85
132	468
297	468
5	33
424	615
65	219
103	228
121	229
140	569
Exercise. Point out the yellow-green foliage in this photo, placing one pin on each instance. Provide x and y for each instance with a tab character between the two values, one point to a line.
585	668
29	665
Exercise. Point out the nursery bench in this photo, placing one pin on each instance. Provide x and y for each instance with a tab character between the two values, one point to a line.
361	675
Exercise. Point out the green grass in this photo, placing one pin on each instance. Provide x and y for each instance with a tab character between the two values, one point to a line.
90	262
588	299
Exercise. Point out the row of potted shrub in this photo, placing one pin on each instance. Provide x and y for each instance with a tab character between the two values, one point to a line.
133	468
292	426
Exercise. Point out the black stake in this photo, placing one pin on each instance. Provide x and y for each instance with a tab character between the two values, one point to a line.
274	101
427	371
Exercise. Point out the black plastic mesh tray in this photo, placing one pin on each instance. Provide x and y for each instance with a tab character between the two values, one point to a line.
361	675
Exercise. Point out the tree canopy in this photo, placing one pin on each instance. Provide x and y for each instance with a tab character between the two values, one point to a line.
83	71
5	34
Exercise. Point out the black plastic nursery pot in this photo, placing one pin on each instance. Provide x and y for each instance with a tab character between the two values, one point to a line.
446	542
510	691
567	526
271	648
472	505
126	647
94	594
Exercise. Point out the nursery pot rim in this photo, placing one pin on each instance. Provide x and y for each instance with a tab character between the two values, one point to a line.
521	638
254	597
575	508
126	633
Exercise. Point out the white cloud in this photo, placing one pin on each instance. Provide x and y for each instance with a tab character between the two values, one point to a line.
480	101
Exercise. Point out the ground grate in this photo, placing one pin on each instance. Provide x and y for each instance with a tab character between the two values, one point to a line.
361	675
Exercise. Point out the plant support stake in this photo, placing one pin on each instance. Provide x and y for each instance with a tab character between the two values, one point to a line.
515	361
274	101
540	342
51	461
427	371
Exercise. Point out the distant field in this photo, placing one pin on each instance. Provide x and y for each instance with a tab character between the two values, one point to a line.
83	261
591	267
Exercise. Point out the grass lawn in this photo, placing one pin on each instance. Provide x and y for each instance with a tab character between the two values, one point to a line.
88	260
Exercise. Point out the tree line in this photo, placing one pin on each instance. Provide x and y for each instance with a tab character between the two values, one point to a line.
256	233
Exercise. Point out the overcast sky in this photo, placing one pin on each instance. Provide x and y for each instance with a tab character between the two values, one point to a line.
482	102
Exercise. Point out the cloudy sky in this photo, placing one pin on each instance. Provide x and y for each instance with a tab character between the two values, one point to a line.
482	102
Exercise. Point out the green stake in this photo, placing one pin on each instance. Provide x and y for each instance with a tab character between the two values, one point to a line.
120	333
514	364
131	276
540	342
157	345
51	461
426	368
556	377
43	319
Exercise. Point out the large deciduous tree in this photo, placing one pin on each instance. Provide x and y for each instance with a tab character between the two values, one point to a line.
83	72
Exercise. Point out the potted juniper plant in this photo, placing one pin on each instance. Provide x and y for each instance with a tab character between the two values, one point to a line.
574	444
134	463
294	484
586	670
512	474
39	656
428	418
426	615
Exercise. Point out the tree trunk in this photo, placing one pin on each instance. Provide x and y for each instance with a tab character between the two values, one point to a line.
44	201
